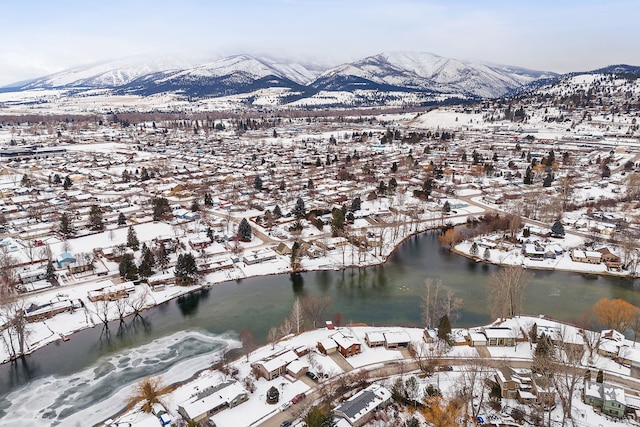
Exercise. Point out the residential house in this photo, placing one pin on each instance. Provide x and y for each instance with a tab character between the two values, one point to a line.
476	339
361	407
374	339
327	346
611	260
611	399
212	400
275	366
500	337
348	344
524	386
396	339
64	259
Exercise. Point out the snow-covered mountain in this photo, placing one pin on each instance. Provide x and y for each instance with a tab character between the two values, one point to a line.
426	72
226	76
378	79
102	75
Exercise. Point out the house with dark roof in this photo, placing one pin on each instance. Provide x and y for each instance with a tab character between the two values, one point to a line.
360	408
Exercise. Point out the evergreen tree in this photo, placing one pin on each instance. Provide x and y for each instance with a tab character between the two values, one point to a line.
257	183
67	183
355	204
208	200
144	175
299	210
127	267
273	395
310	184
446	207
277	212
186	269
122	220
486	254
66	228
473	251
394	167
382	188
210	234
51	271
147	261
548	180
557	229
244	231
132	239
393	184
528	176
337	222
600	377
95	218
161	208
444	329
195	206
162	256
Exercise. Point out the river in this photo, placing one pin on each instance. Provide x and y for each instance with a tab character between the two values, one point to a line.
182	335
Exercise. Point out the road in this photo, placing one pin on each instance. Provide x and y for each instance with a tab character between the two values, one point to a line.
408	365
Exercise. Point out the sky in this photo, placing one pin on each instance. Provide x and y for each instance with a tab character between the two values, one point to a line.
41	37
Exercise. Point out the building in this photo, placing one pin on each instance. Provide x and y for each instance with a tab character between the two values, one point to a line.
609	398
500	337
212	400
348	345
396	339
275	366
360	408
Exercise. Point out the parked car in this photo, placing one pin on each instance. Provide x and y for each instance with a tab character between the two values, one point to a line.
298	397
285	406
311	375
286	423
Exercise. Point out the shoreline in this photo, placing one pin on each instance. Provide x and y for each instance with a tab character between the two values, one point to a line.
541	268
193	289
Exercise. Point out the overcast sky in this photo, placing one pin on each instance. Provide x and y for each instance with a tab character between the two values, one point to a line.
43	37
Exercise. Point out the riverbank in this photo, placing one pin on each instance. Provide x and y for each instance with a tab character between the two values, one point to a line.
539	252
376	364
63	326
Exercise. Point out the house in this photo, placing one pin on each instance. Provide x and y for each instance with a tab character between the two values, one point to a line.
374	339
282	249
609	398
30	276
275	366
64	259
360	408
258	257
476	339
430	335
297	368
348	345
500	337
578	255
611	260
396	339
524	386
327	346
212	400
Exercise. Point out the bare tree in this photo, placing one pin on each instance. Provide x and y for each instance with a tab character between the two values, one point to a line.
297	316
568	370
248	342
314	307
471	386
506	289
14	331
430	308
273	337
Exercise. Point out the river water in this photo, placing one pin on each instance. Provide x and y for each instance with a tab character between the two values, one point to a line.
86	377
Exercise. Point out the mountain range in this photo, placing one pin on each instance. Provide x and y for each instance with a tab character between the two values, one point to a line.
430	77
